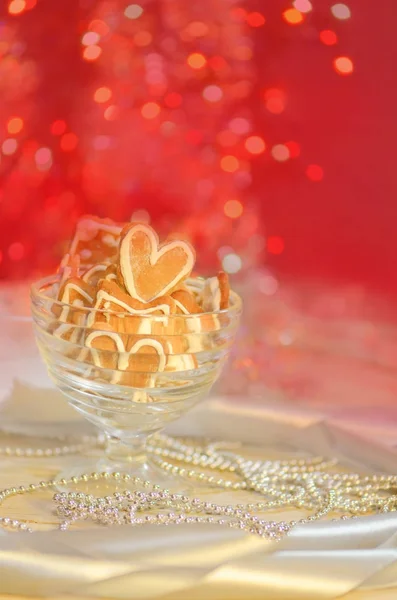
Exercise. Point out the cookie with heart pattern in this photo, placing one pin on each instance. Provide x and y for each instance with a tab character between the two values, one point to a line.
132	365
74	298
148	269
127	315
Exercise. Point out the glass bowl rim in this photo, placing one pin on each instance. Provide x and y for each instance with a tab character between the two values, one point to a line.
36	293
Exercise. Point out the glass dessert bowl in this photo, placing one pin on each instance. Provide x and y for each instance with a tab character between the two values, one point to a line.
133	383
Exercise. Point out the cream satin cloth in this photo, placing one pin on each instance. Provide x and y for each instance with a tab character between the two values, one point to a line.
351	560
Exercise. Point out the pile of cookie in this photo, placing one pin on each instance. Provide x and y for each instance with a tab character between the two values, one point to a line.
119	292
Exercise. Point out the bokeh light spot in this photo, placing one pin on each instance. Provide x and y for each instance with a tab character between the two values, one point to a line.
196	60
268	284
58	127
343	65
212	93
294	149
275	244
242	52
99	27
102	94
240	125
315	172
140	216
133	11
238	13
43	158
341	11
197	29
16	251
143	38
229	163
255	144
92	53
232	263
255	19
101	142
275	100
304	6
90	38
293	16
233	209
69	142
9	146
280	152
111	113
150	110
328	37
15	125
16	7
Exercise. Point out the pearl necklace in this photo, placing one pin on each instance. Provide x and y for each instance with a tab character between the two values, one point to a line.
310	484
122	508
62	449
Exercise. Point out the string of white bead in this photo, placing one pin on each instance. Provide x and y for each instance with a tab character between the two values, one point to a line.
64	447
122	508
309	484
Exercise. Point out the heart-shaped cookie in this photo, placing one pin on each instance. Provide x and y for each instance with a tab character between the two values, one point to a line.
149	270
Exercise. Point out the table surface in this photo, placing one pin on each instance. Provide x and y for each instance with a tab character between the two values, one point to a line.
352	415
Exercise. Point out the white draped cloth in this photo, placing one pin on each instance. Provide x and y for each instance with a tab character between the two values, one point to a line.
353	559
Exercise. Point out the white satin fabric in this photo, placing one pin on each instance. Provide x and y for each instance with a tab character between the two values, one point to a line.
354	560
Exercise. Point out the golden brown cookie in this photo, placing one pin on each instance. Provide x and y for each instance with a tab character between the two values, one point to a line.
75	295
68	268
125	314
132	365
149	270
93	274
95	239
224	288
215	294
186	302
110	273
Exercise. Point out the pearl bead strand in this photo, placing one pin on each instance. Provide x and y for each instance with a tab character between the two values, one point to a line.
310	484
62	449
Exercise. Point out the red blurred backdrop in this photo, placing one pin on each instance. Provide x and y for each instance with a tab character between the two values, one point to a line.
161	142
345	227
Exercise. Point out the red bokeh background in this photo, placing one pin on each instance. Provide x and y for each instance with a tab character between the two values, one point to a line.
345	227
340	228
